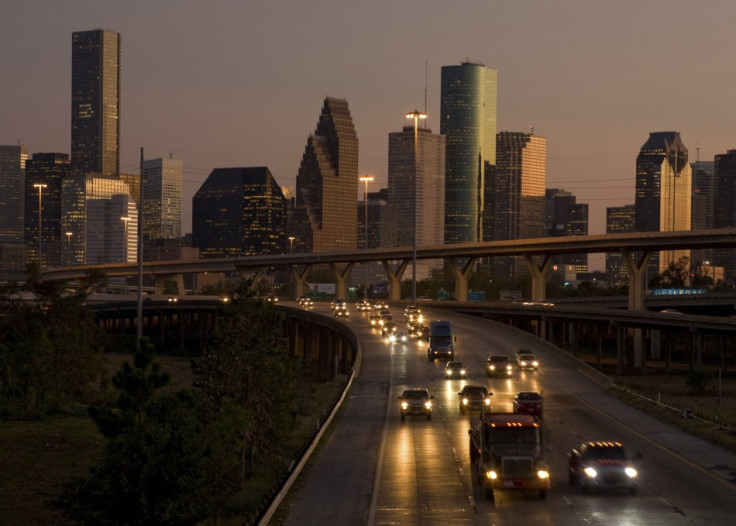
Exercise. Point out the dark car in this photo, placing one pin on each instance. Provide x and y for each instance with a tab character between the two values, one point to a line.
416	401
602	465
528	403
474	398
455	370
388	327
527	361
498	365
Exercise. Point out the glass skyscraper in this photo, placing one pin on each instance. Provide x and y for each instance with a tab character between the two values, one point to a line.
96	102
468	120
162	180
325	212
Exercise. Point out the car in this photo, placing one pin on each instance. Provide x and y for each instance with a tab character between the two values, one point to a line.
340	309
380	305
528	403
398	337
527	361
602	465
374	320
498	365
474	398
520	353
272	298
416	401
455	369
363	305
418	331
413	314
388	327
306	303
385	315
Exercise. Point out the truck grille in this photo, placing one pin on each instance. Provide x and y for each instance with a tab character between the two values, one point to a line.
517	467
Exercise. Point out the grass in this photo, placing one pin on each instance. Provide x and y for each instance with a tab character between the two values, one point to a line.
37	457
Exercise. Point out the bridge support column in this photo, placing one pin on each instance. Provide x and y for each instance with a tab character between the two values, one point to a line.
655	345
162	279
538	274
341	277
699	343
300	279
620	346
394	278
461	277
637	270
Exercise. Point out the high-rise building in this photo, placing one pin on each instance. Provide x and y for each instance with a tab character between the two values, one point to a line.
724	208
96	102
468	121
162	180
239	212
325	211
619	219
382	232
663	191
420	192
12	177
565	217
702	206
521	174
45	173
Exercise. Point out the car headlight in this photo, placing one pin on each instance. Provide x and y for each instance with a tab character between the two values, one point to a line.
462	372
543	474
492	367
631	472
508	367
465	401
491	474
535	364
487	401
523	363
428	404
592	473
404	405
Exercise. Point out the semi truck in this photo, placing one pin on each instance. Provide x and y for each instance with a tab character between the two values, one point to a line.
508	453
441	340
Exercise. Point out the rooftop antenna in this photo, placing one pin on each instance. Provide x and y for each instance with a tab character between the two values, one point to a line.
426	61
531	128
697	152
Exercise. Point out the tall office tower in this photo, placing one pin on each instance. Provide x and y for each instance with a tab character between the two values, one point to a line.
521	173
619	219
382	232
724	208
44	175
420	192
12	176
96	102
162	199
468	120
663	192
239	212
325	211
702	205
86	244
565	217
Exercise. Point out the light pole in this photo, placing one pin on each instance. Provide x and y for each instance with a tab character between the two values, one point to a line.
366	179
416	115
125	221
40	187
68	247
291	274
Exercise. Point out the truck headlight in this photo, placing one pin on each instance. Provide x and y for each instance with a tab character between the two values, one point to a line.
404	405
631	472
465	401
508	367
492	367
490	474
592	473
543	474
535	364
487	401
428	404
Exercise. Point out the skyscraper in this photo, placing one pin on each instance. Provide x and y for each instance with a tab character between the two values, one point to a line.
49	169
325	212
423	189
663	191
239	212
702	205
724	208
520	178
12	185
96	102
468	120
566	217
162	199
619	219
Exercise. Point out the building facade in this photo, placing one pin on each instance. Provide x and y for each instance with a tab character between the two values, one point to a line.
45	173
382	232
325	210
96	102
520	179
566	217
468	121
162	180
663	192
12	184
239	212
702	206
619	220
724	208
417	190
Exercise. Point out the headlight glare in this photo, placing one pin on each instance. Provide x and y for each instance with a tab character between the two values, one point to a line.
543	474
631	472
592	473
491	475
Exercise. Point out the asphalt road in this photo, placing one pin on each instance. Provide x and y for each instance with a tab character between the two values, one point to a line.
375	469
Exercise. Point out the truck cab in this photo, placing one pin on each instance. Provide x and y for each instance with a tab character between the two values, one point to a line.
441	340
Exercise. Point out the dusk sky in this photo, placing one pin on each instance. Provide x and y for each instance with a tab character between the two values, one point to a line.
241	83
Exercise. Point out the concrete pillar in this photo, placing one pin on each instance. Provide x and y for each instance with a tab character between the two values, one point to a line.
461	277
655	349
341	277
178	280
539	275
300	279
699	341
394	278
620	346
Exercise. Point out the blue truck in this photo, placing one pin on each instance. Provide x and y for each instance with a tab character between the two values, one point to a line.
441	340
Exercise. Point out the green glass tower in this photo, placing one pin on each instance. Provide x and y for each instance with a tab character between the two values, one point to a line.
468	120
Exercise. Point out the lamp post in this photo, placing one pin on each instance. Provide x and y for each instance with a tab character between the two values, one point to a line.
125	221
366	179
68	247
40	187
291	274
416	115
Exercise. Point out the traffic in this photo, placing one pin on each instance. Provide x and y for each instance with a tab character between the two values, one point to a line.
504	446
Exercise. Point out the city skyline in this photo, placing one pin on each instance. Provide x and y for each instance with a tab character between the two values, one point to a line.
587	77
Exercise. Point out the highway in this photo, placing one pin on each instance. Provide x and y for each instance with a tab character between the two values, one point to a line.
375	469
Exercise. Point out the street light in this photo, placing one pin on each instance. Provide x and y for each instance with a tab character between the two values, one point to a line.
40	187
291	244
416	115
68	246
291	273
366	179
125	221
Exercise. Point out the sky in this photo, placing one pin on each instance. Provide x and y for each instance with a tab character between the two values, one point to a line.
229	83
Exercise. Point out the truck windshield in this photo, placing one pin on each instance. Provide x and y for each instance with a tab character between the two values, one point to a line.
513	435
441	341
